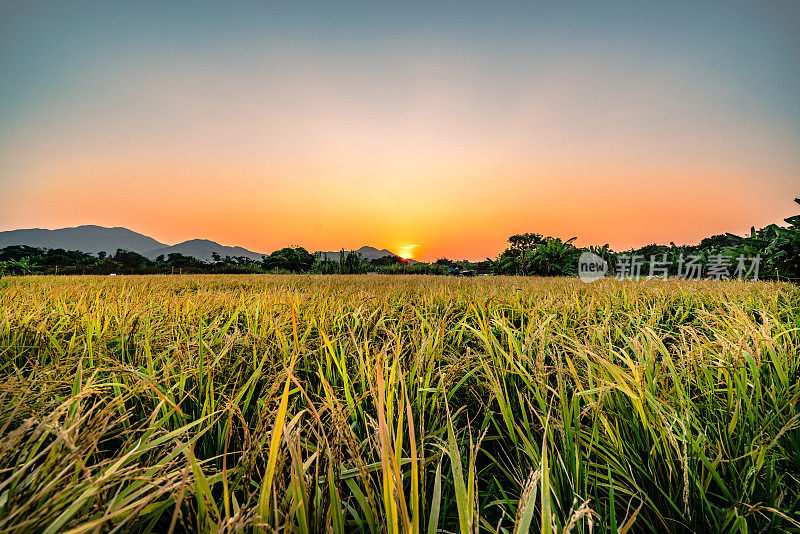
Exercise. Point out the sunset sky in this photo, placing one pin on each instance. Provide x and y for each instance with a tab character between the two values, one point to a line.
439	129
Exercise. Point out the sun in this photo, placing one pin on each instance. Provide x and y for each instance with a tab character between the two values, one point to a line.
407	251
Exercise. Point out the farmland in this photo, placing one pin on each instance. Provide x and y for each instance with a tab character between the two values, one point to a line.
398	404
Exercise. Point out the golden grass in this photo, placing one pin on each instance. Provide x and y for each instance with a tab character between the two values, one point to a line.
397	404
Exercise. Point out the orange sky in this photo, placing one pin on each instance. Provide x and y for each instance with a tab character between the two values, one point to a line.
447	138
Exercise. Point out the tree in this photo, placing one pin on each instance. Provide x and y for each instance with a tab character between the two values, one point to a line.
526	241
131	261
517	258
778	246
292	259
17	252
555	257
21	266
352	263
388	260
535	254
178	262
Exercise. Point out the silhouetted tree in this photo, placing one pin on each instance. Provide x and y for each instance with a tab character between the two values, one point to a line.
292	259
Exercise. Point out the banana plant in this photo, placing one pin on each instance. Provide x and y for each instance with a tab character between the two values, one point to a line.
779	246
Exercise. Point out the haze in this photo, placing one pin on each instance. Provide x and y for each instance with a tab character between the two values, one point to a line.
431	131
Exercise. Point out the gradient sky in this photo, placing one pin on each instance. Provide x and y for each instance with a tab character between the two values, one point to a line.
449	127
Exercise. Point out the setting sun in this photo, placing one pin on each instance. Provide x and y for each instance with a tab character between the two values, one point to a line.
407	252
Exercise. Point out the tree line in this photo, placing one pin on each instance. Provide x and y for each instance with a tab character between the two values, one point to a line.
527	254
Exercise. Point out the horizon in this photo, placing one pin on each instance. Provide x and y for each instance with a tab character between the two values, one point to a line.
438	131
404	252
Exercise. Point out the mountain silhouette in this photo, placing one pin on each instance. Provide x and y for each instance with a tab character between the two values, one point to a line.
202	249
93	239
88	238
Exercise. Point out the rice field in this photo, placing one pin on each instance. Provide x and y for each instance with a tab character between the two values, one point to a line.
271	403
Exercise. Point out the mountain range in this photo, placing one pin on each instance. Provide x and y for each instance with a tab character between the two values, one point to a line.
94	239
89	238
202	249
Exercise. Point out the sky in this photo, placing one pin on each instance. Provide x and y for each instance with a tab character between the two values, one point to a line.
431	130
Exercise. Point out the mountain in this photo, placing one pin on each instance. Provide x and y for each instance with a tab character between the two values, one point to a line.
367	253
88	238
94	239
202	249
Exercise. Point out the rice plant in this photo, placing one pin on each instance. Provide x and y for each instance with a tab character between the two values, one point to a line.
399	405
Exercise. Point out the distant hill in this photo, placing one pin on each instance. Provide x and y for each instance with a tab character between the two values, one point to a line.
94	239
88	238
367	252
202	250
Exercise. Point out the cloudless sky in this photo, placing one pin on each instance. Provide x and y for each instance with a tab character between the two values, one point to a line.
447	126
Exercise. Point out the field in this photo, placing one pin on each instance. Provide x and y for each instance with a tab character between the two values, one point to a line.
398	404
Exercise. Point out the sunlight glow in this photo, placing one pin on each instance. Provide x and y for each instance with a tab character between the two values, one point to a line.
270	125
407	252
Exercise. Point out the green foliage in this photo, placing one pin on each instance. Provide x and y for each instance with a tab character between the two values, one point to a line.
778	246
351	263
21	266
534	254
289	259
